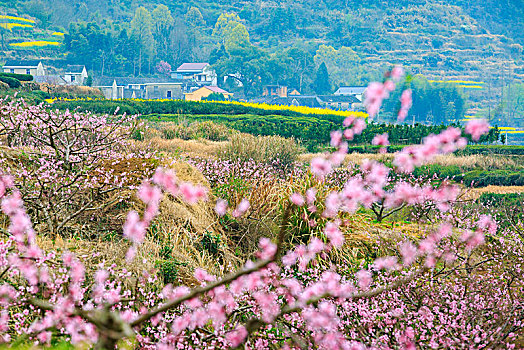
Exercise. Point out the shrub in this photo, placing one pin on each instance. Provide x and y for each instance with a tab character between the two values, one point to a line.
20	77
501	199
479	178
168	270
12	82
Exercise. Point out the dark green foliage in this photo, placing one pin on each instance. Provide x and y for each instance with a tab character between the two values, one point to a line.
168	269
493	149
210	243
479	178
322	84
12	82
502	199
20	77
440	171
215	97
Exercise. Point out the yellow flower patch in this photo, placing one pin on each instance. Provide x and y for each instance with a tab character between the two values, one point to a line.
36	44
17	18
10	26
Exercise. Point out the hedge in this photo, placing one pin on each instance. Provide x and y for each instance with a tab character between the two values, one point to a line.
469	150
501	199
20	77
310	130
253	120
480	178
12	82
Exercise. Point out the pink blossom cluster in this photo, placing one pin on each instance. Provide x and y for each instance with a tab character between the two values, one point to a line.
424	294
377	92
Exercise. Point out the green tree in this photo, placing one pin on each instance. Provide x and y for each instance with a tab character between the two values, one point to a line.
225	23
322	84
162	24
194	17
344	65
236	36
142	33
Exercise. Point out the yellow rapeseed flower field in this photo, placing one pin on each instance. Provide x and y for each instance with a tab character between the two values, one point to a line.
462	82
298	109
10	26
264	106
58	34
17	18
36	43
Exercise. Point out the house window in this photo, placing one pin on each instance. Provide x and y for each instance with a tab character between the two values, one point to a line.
28	71
169	93
11	70
73	78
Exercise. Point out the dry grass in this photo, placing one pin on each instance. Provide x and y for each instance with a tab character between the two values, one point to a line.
262	149
465	162
199	148
355	158
477	161
178	225
194	130
475	193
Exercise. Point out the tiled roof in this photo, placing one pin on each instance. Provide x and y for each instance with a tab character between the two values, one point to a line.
74	68
217	89
21	63
339	98
123	81
350	90
192	66
306	101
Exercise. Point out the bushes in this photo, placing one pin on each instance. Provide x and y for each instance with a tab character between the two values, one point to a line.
479	178
492	149
441	171
19	77
501	199
12	82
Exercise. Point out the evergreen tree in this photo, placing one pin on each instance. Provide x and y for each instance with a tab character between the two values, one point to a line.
322	85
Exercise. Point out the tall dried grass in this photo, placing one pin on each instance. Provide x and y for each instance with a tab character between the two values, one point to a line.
269	149
178	147
464	162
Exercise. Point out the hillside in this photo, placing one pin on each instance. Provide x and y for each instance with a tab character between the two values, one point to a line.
473	41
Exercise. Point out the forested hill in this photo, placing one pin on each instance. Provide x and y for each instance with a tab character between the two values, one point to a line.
461	40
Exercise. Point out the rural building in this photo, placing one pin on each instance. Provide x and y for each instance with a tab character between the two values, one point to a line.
122	87
357	91
205	91
293	92
299	100
35	67
275	90
339	102
200	73
75	75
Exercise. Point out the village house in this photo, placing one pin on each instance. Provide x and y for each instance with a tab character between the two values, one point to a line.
357	91
275	90
200	73
32	67
75	75
298	100
205	91
121	87
340	102
336	102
